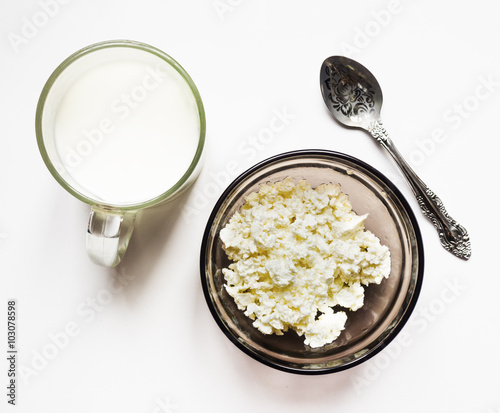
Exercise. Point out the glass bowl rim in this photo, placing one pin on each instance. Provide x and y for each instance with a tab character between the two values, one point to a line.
418	276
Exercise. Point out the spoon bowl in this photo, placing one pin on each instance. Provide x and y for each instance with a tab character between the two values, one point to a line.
350	92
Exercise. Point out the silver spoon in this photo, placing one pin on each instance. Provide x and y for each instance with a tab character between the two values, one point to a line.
354	97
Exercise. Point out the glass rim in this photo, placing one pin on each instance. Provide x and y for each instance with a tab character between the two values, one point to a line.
389	334
117	44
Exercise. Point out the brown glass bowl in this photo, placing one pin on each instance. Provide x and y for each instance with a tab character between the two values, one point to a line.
387	305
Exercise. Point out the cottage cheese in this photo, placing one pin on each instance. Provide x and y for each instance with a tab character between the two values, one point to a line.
297	253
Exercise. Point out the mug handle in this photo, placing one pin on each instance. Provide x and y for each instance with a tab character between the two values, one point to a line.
108	235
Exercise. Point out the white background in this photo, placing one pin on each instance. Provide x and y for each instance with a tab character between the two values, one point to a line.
153	346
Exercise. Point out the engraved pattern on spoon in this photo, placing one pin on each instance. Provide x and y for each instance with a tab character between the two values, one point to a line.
350	94
452	235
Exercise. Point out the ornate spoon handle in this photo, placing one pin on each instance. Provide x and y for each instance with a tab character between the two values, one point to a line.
453	236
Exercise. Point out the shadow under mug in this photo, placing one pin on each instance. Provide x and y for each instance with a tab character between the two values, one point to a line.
112	221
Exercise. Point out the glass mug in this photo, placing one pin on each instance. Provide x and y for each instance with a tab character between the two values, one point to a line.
121	126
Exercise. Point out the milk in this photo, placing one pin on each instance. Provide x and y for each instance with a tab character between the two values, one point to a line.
126	126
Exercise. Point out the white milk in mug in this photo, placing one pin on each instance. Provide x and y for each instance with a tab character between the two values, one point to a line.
127	126
121	126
